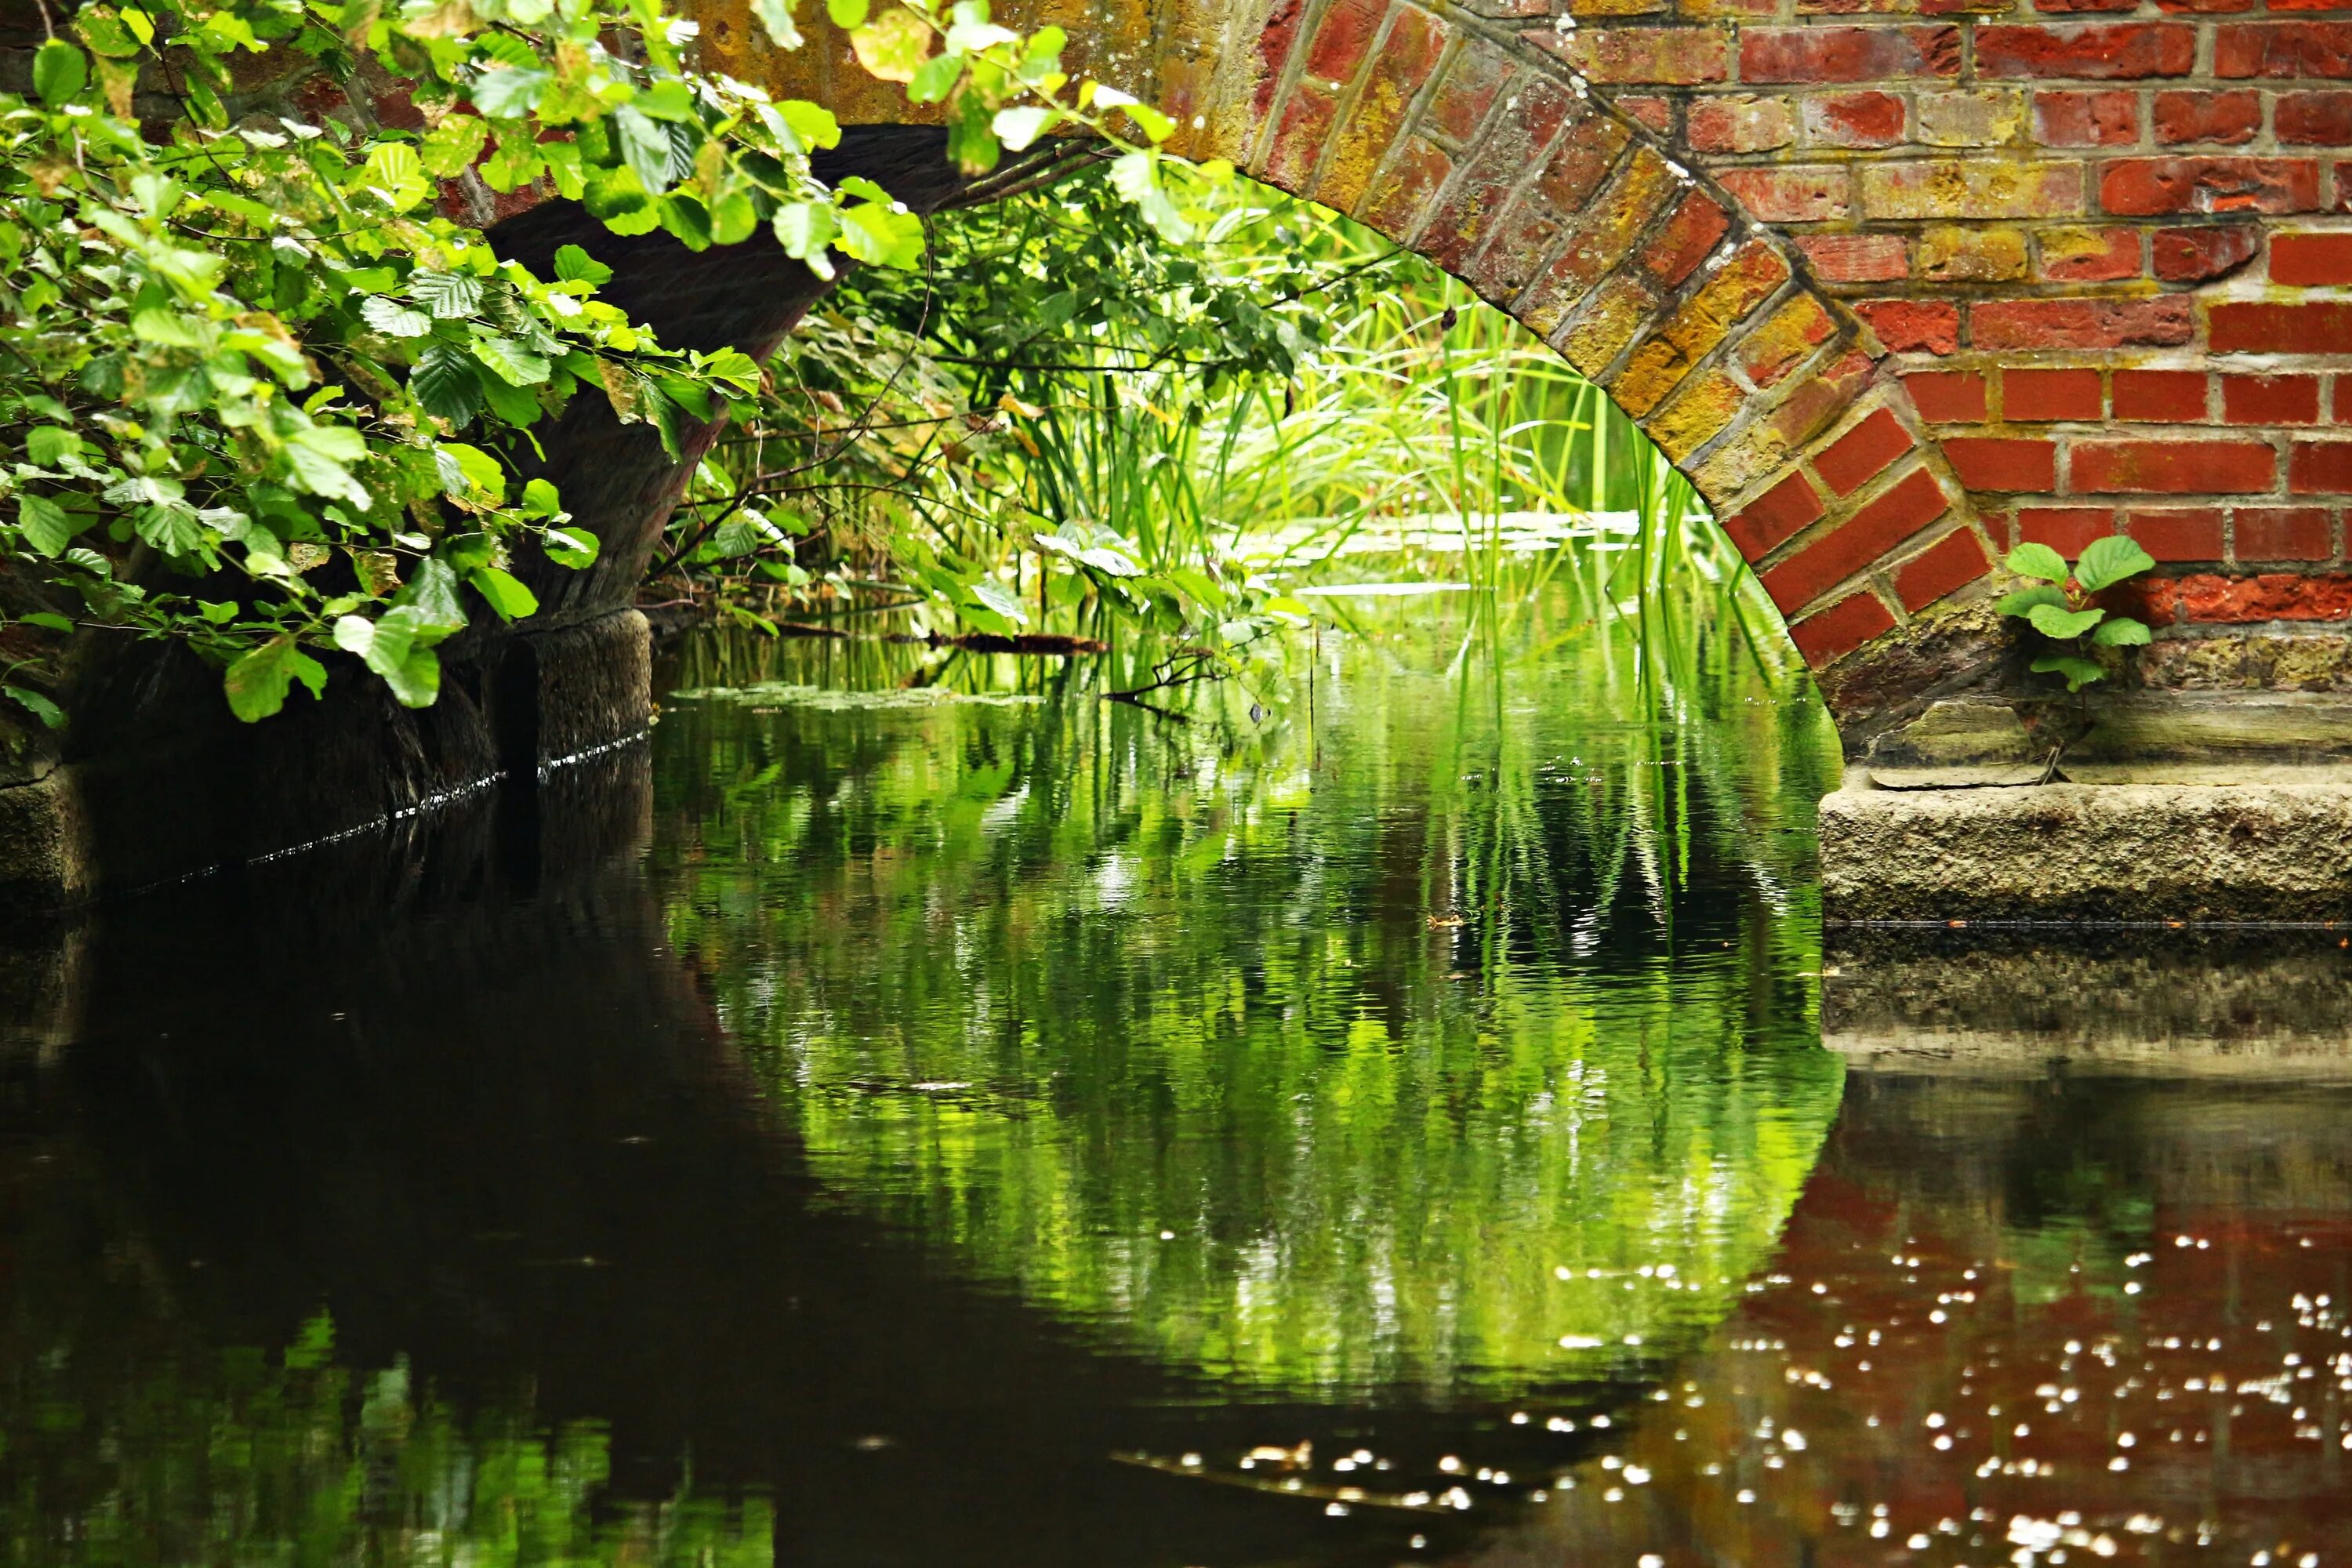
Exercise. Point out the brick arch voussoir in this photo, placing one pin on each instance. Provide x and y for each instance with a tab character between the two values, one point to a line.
1476	146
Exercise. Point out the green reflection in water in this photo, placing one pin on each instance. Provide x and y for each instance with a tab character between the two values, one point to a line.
246	1456
1446	1031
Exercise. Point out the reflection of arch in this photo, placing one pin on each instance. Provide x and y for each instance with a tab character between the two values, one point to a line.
1490	155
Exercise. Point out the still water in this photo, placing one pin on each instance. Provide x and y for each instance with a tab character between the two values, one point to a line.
1397	1108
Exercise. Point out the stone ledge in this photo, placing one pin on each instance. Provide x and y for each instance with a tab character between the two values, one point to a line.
2277	850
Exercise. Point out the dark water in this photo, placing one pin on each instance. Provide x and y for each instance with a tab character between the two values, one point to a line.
917	1112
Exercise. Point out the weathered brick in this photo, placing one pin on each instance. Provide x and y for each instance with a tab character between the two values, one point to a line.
1784	341
2282	533
1274	45
1609	228
2177	533
1699	411
2171	468
2082	323
2003	462
1701	322
1913	326
1660	56
1780	513
1473	79
2311	260
1578	161
2068	530
2199	254
1342	38
1407	56
1908	506
1971	255
2320	468
1652	110
1946	566
2152	187
1856	258
1606	325
1830	635
2089	255
1970	188
2269	399
1847	54
1798	193
2094	51
2320	49
1740	124
2207	116
2160	396
2043	395
1986	119
2085	119
1463	222
2313	119
2076	8
1863	453
1394	204
2249	327
1685	239
1948	397
1854	120
2270	596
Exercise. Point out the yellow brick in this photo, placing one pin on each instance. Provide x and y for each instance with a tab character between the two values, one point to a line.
1697	415
1971	255
1592	343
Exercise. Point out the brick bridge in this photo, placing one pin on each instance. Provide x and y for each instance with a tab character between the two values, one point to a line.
1896	282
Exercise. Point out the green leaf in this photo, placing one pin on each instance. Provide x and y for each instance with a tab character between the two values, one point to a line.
451	147
431	592
892	46
2039	561
39	706
397	646
511	93
2121	632
2064	624
445	382
390	317
470	472
574	265
996	596
448	295
874	233
395	170
1017	128
669	99
812	123
805	229
47	527
540	499
571	547
2079	671
516	364
315	456
2108	560
504	593
776	16
645	147
846	14
935	78
59	72
2020	602
256	684
46	621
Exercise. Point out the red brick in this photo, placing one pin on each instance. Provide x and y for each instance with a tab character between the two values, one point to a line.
1910	506
2085	119
2068	530
2320	468
1343	37
2173	468
1951	564
1687	238
1808	193
2082	323
2003	463
2269	399
1948	397
1396	202
1407	56
1913	326
2183	533
2284	533
2073	264
2149	187
1863	453
2160	396
1829	635
2284	49
1739	124
2248	326
1857	258
2313	119
2066	8
2200	255
1847	54
2311	259
1274	46
2046	394
1657	113
1470	85
1854	120
2210	7
1776	515
1299	138
2094	51
2271	596
2201	116
1646	57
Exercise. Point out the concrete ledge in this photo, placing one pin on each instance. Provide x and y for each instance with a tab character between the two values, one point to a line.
2279	849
